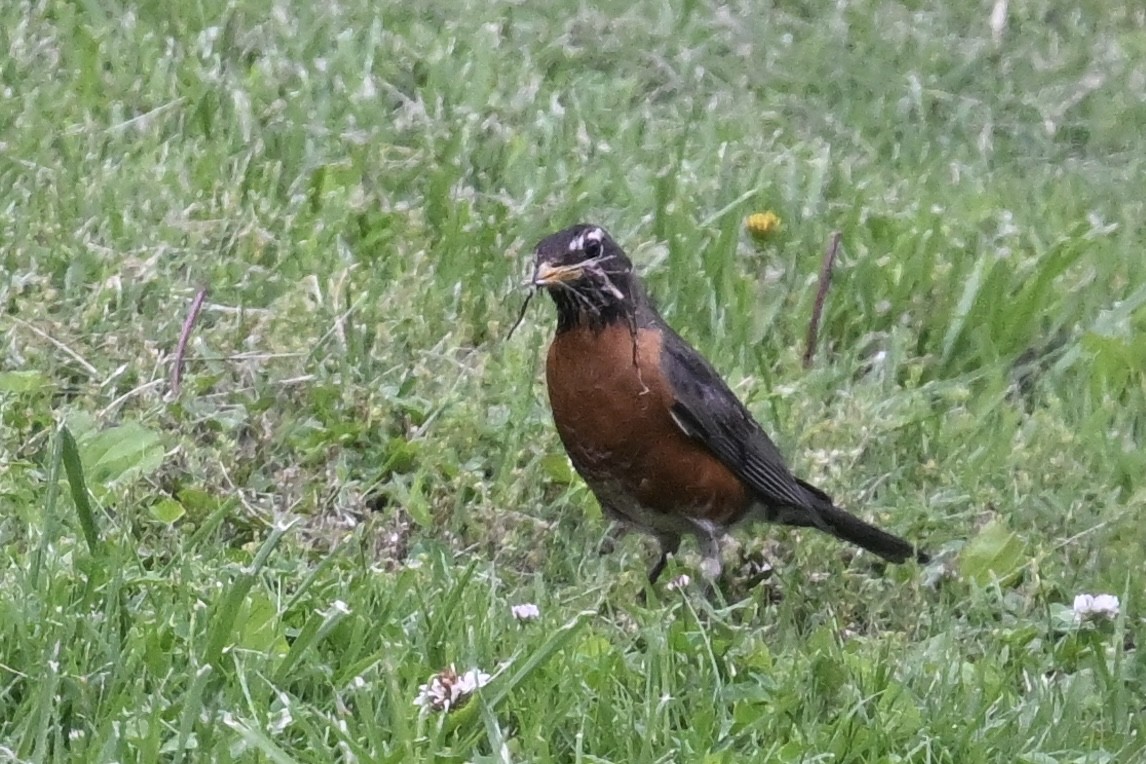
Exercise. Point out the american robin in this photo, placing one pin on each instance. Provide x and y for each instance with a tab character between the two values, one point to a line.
660	439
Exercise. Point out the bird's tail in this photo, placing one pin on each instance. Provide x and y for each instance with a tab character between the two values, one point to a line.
846	526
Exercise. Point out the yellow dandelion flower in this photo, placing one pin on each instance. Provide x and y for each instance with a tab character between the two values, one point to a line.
762	224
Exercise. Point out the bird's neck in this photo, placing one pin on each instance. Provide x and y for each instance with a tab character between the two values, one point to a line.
573	312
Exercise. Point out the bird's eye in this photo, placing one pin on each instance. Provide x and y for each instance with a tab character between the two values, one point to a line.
592	249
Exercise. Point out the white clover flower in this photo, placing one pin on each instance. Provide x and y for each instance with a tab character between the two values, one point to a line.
679	583
1096	607
526	611
448	690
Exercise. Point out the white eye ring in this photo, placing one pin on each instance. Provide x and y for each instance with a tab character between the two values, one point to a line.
579	242
591	246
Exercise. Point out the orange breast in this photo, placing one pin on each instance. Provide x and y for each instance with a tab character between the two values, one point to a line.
613	417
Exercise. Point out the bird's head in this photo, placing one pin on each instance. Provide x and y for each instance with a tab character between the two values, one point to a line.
588	276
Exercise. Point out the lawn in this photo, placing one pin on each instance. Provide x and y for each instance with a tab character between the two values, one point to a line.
356	476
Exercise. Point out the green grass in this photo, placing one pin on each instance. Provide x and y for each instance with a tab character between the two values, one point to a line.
360	477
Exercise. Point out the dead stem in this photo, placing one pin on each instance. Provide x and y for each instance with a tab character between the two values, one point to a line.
521	314
821	295
184	335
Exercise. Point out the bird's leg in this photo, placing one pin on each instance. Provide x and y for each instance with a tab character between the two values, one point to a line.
669	545
658	567
710	565
616	531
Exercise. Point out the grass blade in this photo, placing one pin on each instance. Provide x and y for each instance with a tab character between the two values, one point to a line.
227	612
963	309
74	469
557	640
192	704
48	529
256	738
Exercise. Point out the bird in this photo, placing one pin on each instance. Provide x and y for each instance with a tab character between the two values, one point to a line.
659	438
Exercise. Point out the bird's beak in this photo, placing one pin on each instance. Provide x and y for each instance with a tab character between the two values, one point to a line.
547	274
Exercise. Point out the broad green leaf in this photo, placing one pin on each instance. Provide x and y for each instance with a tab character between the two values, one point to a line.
14	382
556	468
119	453
417	505
258	628
167	510
994	554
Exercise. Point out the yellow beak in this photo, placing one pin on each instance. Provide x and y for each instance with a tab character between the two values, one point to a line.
548	275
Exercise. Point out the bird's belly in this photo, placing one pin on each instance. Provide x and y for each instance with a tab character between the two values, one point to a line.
612	414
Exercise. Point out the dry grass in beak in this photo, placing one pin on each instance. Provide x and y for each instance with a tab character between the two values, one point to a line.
548	275
521	313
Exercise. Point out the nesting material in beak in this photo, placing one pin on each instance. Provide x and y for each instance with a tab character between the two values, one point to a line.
548	274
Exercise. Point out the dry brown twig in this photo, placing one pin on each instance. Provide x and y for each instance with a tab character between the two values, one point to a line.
91	370
821	295
184	335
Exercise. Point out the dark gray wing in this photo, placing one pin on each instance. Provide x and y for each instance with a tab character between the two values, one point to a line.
708	411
